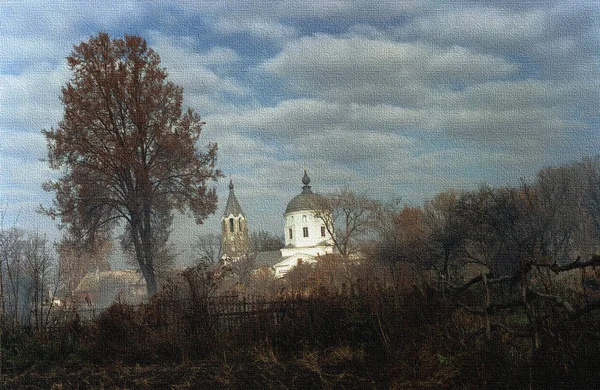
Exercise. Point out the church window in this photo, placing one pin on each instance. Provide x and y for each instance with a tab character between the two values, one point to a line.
322	231
231	225
304	219
290	232
305	231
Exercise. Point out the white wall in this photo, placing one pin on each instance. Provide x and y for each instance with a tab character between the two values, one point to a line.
297	221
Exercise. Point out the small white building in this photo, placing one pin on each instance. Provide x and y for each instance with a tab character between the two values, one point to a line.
100	289
306	236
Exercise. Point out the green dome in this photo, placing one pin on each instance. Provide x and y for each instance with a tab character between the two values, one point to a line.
307	200
310	201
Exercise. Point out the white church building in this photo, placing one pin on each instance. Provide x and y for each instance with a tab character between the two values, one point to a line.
305	233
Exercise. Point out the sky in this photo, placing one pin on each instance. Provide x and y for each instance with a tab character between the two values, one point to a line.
392	99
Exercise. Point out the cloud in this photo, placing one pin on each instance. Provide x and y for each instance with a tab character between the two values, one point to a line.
191	69
31	99
470	96
76	20
384	71
317	11
480	26
177	48
218	56
271	31
555	41
208	77
36	51
392	98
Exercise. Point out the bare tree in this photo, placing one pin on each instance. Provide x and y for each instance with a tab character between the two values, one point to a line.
525	236
37	267
209	249
569	203
11	248
349	218
27	263
448	232
263	241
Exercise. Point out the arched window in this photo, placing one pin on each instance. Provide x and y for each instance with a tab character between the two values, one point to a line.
322	231
231	225
305	231
304	219
290	233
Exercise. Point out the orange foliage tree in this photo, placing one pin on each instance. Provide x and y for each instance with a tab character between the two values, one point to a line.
126	148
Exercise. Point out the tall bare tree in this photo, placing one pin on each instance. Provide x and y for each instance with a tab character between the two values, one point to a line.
209	249
127	150
37	267
448	233
11	252
26	262
349	218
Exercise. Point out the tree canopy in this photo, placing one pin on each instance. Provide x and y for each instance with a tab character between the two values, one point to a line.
126	149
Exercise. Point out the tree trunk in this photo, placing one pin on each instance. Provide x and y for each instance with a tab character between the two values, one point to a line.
148	274
143	252
148	248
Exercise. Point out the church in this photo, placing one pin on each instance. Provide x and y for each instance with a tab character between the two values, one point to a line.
305	233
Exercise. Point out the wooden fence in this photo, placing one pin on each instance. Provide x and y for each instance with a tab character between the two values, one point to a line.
223	312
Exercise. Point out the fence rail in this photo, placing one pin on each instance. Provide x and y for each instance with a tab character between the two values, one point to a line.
224	312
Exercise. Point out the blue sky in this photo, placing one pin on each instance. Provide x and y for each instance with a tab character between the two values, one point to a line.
394	99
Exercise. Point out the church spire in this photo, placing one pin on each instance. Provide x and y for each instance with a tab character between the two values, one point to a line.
234	230
233	206
306	189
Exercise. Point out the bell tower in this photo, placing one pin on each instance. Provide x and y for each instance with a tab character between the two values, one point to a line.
234	230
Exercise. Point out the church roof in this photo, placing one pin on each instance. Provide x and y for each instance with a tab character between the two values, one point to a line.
106	287
110	280
307	200
233	206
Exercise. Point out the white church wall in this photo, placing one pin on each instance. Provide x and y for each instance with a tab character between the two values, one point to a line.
306	229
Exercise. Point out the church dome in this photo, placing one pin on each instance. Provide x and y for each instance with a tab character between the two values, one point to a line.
304	202
307	200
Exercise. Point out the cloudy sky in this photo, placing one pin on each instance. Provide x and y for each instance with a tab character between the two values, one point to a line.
389	98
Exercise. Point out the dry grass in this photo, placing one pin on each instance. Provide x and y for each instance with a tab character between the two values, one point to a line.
367	335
